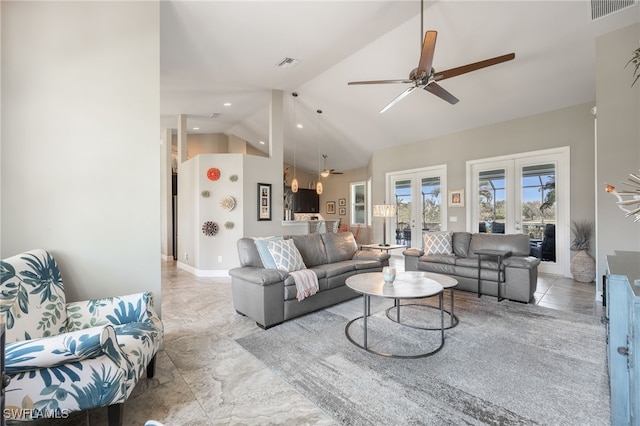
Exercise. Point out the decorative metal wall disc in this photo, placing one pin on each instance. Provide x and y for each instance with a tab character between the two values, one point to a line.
210	228
213	173
228	203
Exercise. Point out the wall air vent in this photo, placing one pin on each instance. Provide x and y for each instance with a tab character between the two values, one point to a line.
287	63
600	8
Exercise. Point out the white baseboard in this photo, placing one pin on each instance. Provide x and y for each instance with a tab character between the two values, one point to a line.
203	272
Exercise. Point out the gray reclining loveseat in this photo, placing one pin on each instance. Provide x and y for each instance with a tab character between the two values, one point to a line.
268	296
518	275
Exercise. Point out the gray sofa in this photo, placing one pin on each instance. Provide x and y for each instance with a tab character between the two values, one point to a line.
519	272
268	296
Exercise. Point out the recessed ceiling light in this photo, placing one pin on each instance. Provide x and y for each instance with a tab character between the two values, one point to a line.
227	104
196	128
261	142
299	126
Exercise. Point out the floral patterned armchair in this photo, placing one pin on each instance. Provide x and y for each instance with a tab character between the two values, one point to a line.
64	357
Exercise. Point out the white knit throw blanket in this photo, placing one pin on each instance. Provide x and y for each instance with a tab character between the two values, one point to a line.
306	283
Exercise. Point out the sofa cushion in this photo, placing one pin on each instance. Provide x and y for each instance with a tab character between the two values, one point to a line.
248	253
286	255
488	263
339	246
460	242
338	268
439	268
261	244
437	242
449	259
311	248
517	244
363	266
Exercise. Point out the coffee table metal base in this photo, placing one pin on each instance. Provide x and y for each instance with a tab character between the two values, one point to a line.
454	319
365	346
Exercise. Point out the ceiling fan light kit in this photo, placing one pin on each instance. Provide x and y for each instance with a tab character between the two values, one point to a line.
425	76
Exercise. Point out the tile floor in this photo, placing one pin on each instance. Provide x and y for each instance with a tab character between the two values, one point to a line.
204	378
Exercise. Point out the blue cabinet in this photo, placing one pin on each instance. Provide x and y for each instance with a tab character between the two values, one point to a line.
623	336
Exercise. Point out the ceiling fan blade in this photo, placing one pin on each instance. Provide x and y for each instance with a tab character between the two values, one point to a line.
398	98
426	56
440	92
453	72
379	82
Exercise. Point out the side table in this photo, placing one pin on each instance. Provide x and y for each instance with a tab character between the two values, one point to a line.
498	255
381	247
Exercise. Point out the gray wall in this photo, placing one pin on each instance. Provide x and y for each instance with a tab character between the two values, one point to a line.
80	141
573	127
618	140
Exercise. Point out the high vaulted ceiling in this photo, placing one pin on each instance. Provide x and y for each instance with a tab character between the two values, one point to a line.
214	52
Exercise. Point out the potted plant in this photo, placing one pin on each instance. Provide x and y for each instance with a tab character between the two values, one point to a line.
635	61
583	266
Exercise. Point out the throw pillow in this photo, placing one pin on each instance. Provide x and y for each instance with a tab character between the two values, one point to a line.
263	250
286	255
437	242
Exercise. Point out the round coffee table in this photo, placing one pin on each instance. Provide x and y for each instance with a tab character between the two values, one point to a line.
448	283
407	285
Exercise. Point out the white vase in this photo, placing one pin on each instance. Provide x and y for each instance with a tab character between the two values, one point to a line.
583	267
388	274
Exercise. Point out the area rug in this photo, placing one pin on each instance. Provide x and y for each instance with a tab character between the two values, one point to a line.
505	363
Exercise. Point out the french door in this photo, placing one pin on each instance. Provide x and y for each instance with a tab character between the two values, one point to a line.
526	193
417	195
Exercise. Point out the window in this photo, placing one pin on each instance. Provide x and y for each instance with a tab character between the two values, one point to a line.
358	203
419	208
517	194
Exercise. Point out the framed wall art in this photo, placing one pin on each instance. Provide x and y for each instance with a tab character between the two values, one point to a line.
456	198
342	202
342	211
331	207
264	201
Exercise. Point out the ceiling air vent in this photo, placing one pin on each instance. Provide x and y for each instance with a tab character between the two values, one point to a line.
214	115
287	63
600	8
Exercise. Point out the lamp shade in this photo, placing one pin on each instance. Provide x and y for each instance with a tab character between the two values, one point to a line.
384	210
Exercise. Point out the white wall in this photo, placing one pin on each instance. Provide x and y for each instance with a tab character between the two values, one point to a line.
197	252
81	143
618	146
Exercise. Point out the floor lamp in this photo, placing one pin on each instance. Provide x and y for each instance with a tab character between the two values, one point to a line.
384	211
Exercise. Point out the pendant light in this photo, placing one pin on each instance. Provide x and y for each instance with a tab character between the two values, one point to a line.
319	184
294	182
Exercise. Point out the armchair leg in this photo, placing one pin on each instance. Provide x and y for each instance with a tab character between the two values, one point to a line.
116	414
151	368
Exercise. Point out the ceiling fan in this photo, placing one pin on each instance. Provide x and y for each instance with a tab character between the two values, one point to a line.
326	172
425	77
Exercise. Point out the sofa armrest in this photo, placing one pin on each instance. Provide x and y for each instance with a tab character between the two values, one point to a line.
116	310
413	252
61	349
524	262
380	256
258	276
411	257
